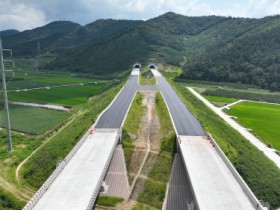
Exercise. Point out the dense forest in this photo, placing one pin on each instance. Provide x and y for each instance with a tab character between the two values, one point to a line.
239	50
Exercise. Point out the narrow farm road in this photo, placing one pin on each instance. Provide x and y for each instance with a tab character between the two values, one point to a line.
270	153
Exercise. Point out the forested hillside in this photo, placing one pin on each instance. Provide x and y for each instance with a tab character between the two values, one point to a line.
212	48
250	57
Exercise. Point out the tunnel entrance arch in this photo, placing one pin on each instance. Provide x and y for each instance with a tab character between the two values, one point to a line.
152	66
137	66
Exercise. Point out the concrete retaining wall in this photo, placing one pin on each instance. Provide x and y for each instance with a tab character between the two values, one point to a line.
255	202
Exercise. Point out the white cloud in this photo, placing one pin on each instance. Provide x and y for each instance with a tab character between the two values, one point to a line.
19	16
26	14
260	8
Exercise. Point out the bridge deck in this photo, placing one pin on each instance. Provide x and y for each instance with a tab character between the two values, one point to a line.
73	188
213	184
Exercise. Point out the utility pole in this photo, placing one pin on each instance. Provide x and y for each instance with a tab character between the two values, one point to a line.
8	128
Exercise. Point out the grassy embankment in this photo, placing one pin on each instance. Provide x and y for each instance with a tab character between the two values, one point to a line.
263	119
261	174
131	126
9	202
38	168
154	189
146	77
13	195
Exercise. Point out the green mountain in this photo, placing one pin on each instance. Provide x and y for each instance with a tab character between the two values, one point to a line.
207	48
243	50
8	32
84	34
118	51
25	43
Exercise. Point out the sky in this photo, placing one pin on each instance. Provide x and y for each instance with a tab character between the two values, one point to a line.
29	14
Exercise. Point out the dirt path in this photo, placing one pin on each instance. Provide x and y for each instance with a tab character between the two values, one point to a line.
48	106
148	142
13	190
147	131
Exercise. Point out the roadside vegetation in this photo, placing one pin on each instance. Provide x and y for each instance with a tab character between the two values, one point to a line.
12	194
147	78
131	127
108	201
9	202
263	120
261	174
38	168
29	119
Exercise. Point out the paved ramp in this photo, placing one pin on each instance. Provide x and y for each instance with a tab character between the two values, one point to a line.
75	185
214	185
184	121
114	116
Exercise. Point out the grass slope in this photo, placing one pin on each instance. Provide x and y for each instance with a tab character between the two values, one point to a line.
33	120
263	119
23	146
110	201
131	125
9	202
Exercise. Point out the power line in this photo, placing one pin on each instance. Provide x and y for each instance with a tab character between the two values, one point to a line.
8	127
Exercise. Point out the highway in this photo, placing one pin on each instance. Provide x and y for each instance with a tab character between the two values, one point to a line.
114	116
214	185
184	121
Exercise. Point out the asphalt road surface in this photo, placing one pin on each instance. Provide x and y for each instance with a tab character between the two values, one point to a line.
114	116
185	122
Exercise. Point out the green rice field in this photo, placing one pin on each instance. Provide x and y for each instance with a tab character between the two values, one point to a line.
70	95
263	119
33	79
33	120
